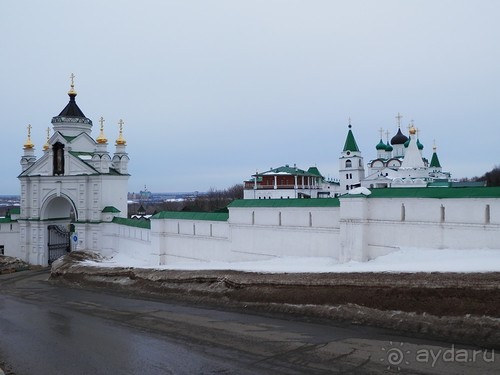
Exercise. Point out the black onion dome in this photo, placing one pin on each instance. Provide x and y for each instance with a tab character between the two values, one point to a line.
71	109
399	138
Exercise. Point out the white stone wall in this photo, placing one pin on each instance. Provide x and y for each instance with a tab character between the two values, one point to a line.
9	238
374	227
132	241
190	240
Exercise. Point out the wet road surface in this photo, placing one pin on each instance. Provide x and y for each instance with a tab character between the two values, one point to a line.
48	328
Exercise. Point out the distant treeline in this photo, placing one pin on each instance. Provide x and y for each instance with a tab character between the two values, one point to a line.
491	178
212	201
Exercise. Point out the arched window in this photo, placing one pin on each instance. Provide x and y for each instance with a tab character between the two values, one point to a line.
58	159
348	163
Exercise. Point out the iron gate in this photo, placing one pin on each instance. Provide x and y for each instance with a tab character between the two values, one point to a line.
59	242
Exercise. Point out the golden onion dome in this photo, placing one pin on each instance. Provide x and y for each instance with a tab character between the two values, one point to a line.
29	144
101	139
120	141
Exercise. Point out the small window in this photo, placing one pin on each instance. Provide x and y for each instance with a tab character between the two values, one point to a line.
348	163
443	214
279	219
403	212
487	217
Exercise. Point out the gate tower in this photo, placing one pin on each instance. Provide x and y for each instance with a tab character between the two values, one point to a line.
71	188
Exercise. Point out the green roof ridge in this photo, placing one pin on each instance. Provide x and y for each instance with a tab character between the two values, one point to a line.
145	224
187	215
294	202
434	192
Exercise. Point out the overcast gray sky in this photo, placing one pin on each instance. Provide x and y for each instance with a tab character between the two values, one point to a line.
211	91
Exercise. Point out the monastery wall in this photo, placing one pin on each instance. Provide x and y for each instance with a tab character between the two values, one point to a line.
178	240
264	232
133	241
375	227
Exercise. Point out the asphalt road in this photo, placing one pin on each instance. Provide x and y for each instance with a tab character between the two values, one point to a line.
47	328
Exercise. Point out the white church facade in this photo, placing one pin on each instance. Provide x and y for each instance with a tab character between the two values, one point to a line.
74	196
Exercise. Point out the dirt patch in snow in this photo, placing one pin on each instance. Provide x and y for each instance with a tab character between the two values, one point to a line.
454	306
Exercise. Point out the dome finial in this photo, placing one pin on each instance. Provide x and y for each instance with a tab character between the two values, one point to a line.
72	89
101	138
399	117
350	125
46	146
120	140
28	144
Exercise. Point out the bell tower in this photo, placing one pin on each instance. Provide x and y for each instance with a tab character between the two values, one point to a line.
351	169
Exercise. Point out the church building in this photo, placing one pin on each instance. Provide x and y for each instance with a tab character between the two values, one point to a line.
73	187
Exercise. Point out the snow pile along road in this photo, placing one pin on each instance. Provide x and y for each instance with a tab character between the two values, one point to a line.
403	260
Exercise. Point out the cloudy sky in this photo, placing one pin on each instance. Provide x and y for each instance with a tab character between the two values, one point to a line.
211	91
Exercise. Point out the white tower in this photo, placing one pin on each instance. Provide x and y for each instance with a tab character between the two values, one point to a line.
351	170
68	189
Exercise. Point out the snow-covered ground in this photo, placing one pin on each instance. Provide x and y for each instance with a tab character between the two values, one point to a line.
403	260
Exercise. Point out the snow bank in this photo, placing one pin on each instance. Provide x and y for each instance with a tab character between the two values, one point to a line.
359	190
404	260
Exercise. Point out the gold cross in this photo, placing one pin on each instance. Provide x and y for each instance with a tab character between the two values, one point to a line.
101	120
121	124
399	117
29	129
48	133
72	77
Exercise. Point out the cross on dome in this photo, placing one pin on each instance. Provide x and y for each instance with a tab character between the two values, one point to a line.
399	117
28	144
101	138
72	89
121	140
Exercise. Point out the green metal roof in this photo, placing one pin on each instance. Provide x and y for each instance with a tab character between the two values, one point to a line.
315	202
110	209
350	142
15	210
433	192
287	169
315	171
70	138
145	224
183	215
435	161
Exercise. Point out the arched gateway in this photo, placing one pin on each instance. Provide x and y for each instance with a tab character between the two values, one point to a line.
66	190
